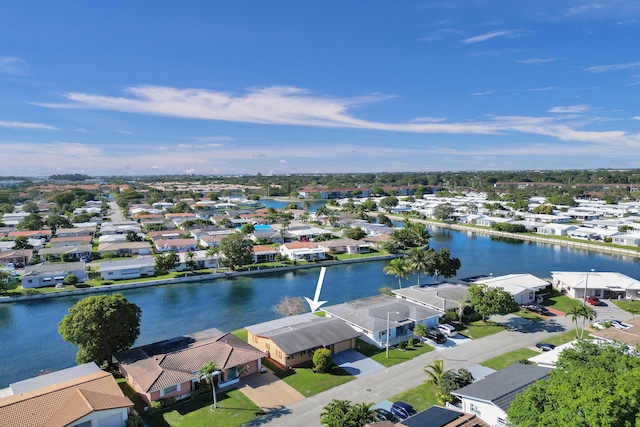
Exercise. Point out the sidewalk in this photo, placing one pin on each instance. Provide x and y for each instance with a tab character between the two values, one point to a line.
381	385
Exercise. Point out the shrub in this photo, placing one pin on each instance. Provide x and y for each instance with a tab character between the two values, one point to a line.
71	279
322	360
449	316
402	345
411	342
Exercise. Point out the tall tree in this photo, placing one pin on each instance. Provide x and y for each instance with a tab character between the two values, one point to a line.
31	222
101	325
488	300
212	252
5	278
434	372
441	264
238	250
581	312
452	380
343	413
209	370
418	261
595	384
399	268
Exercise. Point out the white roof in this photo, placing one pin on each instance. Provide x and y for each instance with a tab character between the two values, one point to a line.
595	280
515	283
548	359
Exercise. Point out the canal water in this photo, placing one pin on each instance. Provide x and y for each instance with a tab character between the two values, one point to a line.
29	341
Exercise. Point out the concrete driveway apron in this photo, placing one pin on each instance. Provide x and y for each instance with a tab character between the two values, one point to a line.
356	363
268	391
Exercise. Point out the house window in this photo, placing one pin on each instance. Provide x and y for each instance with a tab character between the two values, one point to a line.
170	389
474	409
267	346
110	273
84	424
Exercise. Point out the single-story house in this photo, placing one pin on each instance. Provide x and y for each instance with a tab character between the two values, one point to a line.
555	229
110	228
113	238
292	340
45	274
71	253
200	258
302	251
491	397
58	242
75	232
628	239
169	368
373	316
269	234
79	396
597	284
307	233
176	245
264	254
16	255
523	287
442	297
128	268
165	234
349	246
488	221
209	241
30	234
125	248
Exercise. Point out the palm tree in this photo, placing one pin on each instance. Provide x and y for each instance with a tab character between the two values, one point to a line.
583	312
212	252
208	371
399	268
418	263
434	372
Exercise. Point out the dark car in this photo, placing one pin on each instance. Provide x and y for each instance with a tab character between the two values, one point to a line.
380	414
538	309
402	410
545	346
19	265
594	301
437	336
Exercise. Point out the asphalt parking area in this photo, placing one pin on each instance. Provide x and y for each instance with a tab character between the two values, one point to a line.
356	363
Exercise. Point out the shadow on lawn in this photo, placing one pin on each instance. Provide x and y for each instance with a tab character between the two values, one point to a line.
272	413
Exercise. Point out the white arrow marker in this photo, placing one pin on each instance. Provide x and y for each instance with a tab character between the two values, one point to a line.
315	304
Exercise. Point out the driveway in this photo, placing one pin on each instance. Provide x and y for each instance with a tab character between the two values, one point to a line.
268	391
356	363
511	321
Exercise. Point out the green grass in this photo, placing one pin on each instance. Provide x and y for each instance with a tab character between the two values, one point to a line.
481	329
373	253
235	409
420	397
561	302
307	382
242	334
565	337
528	315
630	306
510	358
396	356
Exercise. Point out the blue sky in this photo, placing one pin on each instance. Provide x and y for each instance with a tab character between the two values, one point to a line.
213	87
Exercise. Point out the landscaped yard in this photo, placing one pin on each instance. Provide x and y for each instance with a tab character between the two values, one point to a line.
528	315
307	382
420	397
630	306
481	329
396	355
235	409
510	358
560	302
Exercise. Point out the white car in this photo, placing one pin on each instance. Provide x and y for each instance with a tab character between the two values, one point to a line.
447	330
619	325
610	323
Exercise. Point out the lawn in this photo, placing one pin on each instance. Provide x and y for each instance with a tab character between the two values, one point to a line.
242	334
528	315
235	409
560	302
307	382
481	329
630	306
420	397
396	355
510	358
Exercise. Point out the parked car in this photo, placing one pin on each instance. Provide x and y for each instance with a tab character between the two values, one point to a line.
538	309
380	414
545	346
595	301
402	410
10	266
19	264
619	325
436	336
447	330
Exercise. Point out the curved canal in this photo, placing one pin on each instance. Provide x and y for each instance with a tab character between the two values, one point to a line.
29	341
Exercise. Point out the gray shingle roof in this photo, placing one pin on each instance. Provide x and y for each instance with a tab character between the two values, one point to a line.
294	334
503	386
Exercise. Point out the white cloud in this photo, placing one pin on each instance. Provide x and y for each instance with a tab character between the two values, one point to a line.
612	67
428	120
485	93
26	125
572	109
440	34
283	162
489	36
13	65
190	171
534	60
636	118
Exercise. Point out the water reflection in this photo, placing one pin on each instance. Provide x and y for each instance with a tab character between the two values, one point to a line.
5	316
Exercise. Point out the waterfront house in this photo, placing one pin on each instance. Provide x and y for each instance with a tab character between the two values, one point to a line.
264	254
143	266
200	259
124	248
628	239
45	274
302	251
348	246
169	368
555	229
369	316
79	396
596	284
524	288
490	397
292	340
442	297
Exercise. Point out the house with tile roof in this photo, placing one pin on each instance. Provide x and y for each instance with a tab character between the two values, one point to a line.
176	245
490	397
169	368
125	248
346	246
292	340
16	255
78	396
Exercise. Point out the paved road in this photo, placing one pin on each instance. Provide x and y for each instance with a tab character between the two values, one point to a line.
381	385
116	213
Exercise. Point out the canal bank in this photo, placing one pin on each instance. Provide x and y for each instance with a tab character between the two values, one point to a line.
252	271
